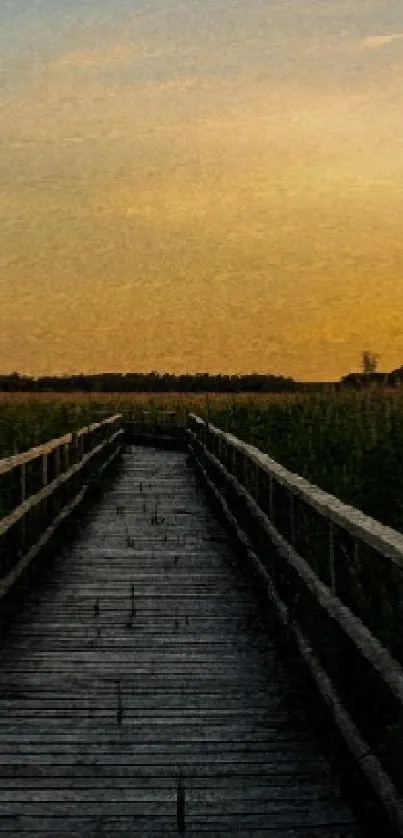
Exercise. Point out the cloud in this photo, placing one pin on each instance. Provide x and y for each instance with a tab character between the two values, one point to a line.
113	52
375	41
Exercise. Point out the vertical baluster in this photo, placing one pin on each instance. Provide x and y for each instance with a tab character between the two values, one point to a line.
74	481
332	564
219	448
240	467
57	468
57	462
245	479
224	452
23	497
23	482
271	498
233	459
77	457
44	469
258	474
291	500
45	482
214	445
236	461
74	446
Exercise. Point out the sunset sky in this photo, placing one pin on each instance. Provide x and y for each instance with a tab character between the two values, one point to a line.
201	186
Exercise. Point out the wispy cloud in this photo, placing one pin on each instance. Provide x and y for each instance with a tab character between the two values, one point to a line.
113	52
376	41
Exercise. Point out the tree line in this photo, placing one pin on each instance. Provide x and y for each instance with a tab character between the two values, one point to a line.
152	382
155	382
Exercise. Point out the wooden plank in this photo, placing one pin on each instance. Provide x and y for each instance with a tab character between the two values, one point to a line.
208	696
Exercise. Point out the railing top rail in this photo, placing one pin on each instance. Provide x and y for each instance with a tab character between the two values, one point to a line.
134	410
385	540
174	417
156	412
8	463
22	508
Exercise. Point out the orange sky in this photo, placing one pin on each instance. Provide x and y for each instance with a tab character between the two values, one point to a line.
192	187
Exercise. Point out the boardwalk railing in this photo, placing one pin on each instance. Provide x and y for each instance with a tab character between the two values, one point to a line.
153	423
334	577
39	488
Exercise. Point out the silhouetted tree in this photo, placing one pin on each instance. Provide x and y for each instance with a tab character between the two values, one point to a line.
369	361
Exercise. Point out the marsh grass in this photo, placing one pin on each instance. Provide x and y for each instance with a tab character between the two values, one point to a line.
349	444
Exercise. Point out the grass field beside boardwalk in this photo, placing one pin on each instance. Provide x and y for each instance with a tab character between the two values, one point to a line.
348	443
26	424
28	419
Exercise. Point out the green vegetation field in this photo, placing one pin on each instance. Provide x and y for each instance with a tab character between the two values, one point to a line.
347	443
26	424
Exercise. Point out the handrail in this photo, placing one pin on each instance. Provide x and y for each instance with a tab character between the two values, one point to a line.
380	537
348	659
370	766
15	460
50	491
34	499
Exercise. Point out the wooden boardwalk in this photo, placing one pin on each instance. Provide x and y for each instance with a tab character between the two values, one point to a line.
202	690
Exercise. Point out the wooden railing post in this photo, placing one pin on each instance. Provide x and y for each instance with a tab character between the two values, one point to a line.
291	500
66	456
23	482
44	469
257	483
57	471
326	596
271	498
45	481
220	448
332	565
244	468
233	460
23	530
57	461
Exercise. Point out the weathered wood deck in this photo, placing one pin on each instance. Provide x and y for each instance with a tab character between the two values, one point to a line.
202	688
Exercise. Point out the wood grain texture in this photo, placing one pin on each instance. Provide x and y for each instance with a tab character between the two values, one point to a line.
202	690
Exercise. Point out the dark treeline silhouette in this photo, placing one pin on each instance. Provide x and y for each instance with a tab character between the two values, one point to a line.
154	382
358	380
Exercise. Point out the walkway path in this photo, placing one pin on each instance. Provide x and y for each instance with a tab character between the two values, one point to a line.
201	688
